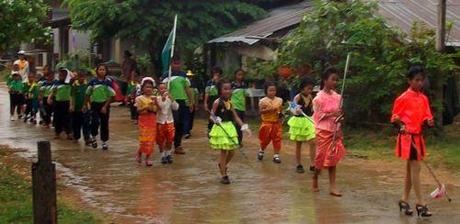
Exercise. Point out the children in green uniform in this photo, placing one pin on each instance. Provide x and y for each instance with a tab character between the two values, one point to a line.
44	91
239	87
61	91
31	90
15	89
210	92
99	95
80	115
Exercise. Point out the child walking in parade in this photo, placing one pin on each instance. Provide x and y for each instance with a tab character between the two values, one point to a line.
223	135
411	111
99	95
211	93
146	107
60	98
301	126
31	90
46	110
80	114
15	89
165	123
327	116
133	91
239	87
188	123
270	130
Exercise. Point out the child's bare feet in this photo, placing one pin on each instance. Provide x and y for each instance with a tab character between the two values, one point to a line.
335	194
138	158
315	187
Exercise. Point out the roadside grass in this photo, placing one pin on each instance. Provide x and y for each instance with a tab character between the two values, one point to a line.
16	199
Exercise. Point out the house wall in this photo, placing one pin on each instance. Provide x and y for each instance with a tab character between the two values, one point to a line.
78	41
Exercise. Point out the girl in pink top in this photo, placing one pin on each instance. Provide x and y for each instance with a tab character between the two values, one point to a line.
327	116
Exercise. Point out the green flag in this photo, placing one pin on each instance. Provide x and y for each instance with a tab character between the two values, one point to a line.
166	53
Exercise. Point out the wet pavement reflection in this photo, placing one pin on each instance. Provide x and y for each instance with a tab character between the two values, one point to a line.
188	191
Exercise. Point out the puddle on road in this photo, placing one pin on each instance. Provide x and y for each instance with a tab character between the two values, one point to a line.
188	191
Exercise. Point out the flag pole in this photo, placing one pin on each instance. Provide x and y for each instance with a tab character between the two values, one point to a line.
172	49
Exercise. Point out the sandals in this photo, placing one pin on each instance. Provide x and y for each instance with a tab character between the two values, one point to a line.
406	207
276	159
260	155
300	169
422	210
225	180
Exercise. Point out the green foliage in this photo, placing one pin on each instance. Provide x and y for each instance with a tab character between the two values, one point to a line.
22	21
149	22
381	54
79	60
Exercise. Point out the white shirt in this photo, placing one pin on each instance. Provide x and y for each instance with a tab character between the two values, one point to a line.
164	113
24	72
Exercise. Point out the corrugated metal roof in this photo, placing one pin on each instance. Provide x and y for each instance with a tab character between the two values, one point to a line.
277	19
403	13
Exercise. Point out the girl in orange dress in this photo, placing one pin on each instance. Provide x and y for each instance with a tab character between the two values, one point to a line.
411	111
327	116
146	106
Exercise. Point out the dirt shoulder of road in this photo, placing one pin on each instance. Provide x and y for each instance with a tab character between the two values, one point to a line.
16	188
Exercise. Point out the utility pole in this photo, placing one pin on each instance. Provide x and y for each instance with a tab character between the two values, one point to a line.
440	47
441	28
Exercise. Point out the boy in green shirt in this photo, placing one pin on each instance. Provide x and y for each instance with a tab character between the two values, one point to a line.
99	95
239	87
15	89
46	110
31	90
80	117
61	91
211	93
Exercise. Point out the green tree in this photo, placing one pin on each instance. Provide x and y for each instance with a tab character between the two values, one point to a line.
22	21
381	54
149	22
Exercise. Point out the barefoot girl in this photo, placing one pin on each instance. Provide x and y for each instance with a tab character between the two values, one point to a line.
146	107
327	115
301	127
411	111
223	135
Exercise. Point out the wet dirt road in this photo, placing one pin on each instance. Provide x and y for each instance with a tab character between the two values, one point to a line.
189	191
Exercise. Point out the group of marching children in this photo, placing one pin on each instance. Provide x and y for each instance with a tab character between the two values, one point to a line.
315	122
69	103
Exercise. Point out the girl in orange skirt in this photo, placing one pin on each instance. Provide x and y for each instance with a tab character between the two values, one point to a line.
327	116
146	107
411	111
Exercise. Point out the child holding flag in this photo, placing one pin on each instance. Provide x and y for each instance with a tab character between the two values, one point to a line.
165	123
301	126
270	130
411	111
223	134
